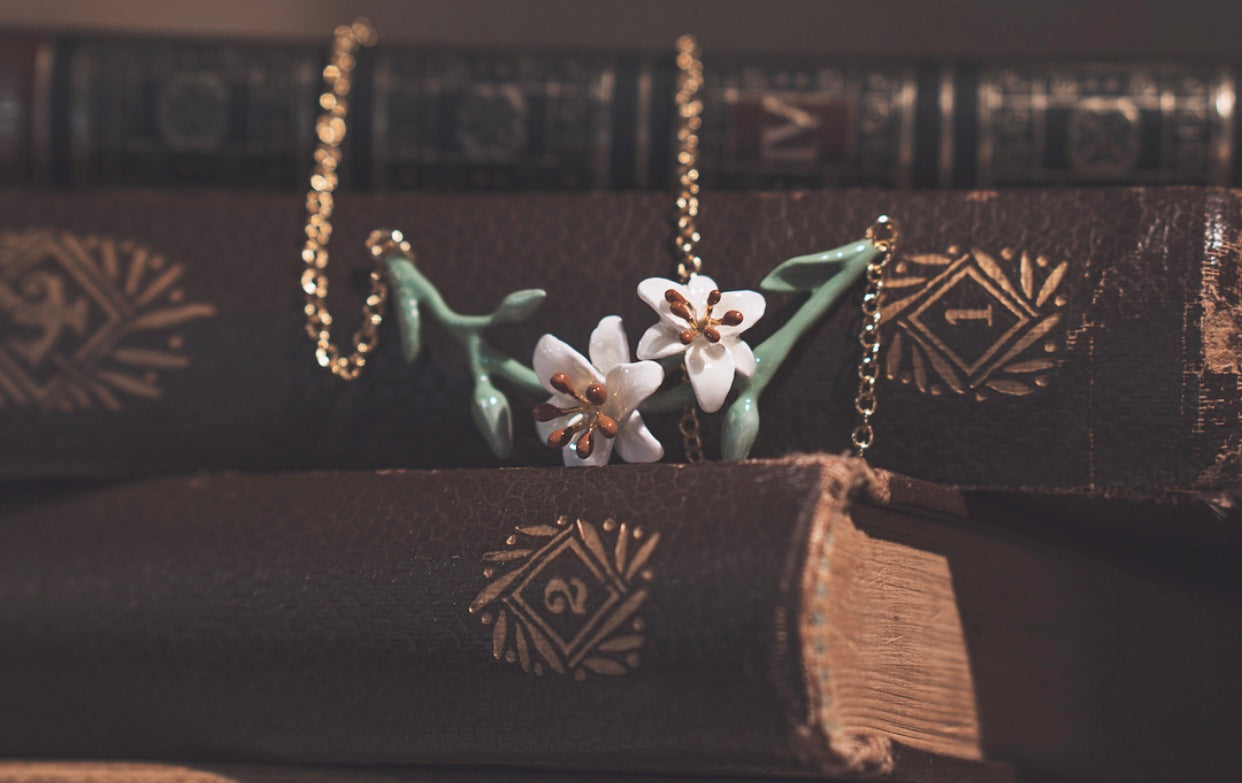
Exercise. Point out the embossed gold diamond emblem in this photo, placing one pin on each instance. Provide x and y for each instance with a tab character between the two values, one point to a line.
570	597
87	321
972	323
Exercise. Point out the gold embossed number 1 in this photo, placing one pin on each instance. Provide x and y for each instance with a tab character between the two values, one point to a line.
330	127
689	264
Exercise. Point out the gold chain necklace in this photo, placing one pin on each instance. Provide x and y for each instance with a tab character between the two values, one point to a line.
885	235
331	129
685	243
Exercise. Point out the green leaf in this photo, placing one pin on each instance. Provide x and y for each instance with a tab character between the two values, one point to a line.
806	273
405	286
518	305
493	417
741	427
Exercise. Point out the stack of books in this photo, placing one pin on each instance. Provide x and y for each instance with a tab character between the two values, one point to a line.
220	563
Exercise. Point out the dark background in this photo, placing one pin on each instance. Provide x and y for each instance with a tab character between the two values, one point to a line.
923	28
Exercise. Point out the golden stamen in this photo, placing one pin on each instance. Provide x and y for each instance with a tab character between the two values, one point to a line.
596	394
547	412
607	425
585	444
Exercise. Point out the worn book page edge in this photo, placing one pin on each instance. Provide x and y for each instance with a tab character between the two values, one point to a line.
868	610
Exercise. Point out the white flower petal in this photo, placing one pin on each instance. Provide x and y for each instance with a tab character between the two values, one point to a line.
659	341
628	385
609	345
750	304
553	355
599	456
743	356
652	292
635	443
710	367
700	286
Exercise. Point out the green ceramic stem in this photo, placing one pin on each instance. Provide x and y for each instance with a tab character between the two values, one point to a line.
414	293
510	369
491	410
429	296
742	417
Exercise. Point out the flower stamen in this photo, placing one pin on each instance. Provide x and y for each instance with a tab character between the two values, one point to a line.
580	430
706	326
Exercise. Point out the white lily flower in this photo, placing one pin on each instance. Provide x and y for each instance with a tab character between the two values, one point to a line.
594	404
705	323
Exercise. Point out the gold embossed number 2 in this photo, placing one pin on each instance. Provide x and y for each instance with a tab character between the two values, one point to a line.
565	597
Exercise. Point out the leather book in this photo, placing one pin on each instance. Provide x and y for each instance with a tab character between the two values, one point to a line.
631	619
148	772
807	616
1046	339
91	111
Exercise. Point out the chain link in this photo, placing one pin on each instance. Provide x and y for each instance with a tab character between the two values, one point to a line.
330	128
884	235
686	235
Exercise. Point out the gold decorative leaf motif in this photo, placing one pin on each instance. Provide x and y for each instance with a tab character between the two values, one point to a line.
88	321
968	322
571	598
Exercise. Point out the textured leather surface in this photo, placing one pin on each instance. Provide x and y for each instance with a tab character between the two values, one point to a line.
323	619
1131	406
132	772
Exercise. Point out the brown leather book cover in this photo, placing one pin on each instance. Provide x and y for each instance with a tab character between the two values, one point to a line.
802	616
1066	339
711	619
148	772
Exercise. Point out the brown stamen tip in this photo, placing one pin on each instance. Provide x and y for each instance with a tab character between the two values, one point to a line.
672	297
597	394
607	425
547	412
732	318
711	334
713	298
681	310
562	384
687	337
585	445
559	439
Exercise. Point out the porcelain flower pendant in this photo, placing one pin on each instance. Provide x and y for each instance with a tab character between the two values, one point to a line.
594	404
706	324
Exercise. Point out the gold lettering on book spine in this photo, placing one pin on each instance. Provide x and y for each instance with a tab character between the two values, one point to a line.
566	597
88	321
970	322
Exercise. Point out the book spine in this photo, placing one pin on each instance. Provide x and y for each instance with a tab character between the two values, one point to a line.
403	618
1032	338
117	111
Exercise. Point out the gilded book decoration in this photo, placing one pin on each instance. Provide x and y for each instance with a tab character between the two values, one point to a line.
87	320
973	323
566	597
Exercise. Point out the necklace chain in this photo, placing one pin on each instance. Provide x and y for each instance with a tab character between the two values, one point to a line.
883	233
330	128
686	240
